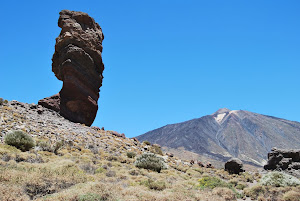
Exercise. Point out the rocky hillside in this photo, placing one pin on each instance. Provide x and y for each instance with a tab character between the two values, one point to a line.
71	161
224	134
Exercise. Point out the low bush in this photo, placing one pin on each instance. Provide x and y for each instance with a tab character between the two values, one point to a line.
255	191
20	140
212	182
151	161
1	101
155	185
99	170
156	149
57	146
44	146
291	196
131	154
111	174
90	197
279	179
225	193
241	186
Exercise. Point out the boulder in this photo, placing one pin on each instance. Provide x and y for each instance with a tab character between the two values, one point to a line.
287	160
234	166
77	61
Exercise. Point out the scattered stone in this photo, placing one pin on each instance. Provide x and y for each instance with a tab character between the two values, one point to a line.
234	166
77	61
200	164
118	134
96	128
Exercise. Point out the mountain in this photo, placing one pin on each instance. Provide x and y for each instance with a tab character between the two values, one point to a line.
229	133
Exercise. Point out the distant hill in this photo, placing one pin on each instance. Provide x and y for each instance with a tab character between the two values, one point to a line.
229	133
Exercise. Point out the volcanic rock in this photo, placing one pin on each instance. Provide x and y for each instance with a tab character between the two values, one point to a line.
77	61
234	166
284	160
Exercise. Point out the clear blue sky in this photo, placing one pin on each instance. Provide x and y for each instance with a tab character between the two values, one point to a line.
165	61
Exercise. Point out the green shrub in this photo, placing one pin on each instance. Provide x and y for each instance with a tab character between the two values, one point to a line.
279	179
255	191
131	154
20	140
155	185
240	186
157	150
212	182
147	143
1	101
150	161
44	146
91	197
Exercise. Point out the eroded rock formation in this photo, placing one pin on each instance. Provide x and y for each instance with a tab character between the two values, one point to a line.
284	160
77	61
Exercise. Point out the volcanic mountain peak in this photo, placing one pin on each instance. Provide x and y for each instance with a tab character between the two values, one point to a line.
221	115
229	133
221	111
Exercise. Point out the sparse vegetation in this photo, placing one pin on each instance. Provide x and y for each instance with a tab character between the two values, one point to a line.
150	161
20	140
279	179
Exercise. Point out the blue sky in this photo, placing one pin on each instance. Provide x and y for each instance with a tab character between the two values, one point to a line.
165	61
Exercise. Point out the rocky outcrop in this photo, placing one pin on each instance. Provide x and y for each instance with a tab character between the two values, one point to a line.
234	166
77	61
284	160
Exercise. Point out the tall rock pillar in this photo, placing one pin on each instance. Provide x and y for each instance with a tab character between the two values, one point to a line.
77	61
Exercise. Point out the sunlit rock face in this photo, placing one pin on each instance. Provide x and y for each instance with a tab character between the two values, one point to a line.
77	61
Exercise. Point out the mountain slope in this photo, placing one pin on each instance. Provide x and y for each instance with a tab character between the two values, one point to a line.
224	134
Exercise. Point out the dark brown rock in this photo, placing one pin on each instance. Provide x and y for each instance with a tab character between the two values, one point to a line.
115	133
284	160
200	164
234	166
77	61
